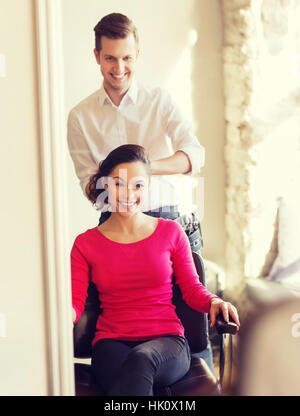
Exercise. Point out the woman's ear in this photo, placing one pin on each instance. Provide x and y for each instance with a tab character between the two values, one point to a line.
100	184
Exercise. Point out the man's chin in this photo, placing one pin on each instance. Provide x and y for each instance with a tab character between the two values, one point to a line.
121	87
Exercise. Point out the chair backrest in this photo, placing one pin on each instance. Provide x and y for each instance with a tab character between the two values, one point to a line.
195	323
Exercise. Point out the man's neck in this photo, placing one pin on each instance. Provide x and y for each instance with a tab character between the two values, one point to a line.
115	95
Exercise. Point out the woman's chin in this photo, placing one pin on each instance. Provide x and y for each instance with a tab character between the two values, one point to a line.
126	211
129	209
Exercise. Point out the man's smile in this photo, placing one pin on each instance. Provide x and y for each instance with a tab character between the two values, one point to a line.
119	77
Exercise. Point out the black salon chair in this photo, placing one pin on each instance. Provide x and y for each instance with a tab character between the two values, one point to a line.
199	381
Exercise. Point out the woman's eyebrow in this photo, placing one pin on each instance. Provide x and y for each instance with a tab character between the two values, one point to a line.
136	181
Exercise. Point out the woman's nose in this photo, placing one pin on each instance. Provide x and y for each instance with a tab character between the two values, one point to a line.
131	194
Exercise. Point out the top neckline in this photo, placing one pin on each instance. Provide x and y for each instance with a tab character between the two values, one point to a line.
129	244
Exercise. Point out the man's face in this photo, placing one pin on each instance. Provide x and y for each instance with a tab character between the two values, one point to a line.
117	59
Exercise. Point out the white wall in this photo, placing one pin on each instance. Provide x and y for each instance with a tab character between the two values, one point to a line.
23	355
181	50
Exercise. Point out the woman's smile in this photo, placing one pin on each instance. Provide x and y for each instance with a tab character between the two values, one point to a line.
127	205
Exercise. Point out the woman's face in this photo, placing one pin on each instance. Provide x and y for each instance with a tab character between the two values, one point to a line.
127	187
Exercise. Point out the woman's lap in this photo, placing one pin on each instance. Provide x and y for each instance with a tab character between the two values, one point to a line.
132	367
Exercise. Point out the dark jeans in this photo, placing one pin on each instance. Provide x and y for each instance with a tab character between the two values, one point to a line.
170	213
132	368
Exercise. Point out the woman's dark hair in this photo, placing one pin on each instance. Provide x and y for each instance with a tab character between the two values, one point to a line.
114	26
126	153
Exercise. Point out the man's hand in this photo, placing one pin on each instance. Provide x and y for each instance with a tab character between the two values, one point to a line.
87	188
177	163
218	305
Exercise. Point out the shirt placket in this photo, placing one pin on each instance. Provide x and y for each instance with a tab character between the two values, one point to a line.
121	127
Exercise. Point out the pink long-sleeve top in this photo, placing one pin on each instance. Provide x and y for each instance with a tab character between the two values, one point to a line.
134	281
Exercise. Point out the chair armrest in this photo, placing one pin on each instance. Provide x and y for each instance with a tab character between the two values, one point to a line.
224	327
261	291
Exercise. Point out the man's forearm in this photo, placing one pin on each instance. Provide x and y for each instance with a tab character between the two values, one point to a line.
177	163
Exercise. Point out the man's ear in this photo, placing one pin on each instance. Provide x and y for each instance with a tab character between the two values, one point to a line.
97	56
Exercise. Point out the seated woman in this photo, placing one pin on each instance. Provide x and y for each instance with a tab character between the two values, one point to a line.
131	258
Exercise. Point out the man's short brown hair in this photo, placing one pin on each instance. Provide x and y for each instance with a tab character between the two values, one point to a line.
114	26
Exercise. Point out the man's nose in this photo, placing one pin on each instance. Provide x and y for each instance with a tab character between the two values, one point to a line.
119	66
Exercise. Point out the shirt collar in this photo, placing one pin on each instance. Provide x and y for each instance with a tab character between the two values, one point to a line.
133	91
131	94
103	96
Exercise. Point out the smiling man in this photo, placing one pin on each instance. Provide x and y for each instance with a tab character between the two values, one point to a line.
117	59
124	111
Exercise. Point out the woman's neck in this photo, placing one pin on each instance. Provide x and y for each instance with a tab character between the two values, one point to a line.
124	224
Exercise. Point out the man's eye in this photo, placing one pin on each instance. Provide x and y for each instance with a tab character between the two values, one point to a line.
139	185
127	58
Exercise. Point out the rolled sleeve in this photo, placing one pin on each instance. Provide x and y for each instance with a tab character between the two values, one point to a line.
196	154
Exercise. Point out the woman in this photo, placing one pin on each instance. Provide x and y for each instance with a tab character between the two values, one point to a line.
131	258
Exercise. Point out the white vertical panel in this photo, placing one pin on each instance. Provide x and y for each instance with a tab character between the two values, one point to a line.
53	151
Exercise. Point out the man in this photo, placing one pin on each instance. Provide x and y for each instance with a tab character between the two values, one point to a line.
124	111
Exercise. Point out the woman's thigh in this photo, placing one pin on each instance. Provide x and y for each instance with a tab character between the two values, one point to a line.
171	357
107	358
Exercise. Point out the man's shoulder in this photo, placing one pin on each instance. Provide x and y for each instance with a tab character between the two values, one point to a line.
87	103
152	92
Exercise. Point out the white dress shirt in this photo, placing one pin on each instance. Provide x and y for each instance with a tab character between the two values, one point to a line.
145	116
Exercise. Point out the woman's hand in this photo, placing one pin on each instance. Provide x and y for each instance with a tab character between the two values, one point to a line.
218	305
73	315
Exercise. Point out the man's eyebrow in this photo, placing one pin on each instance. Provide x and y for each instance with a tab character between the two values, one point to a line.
107	55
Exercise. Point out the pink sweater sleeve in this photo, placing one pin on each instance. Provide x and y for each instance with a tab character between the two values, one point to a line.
80	279
193	292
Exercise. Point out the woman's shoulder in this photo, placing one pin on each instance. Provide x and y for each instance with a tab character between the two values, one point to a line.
171	226
85	236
